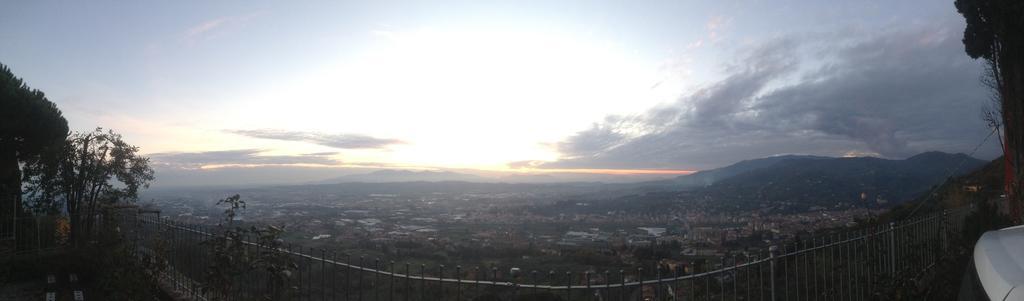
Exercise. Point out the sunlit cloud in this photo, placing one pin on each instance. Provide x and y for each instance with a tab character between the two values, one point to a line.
207	28
875	94
715	26
238	157
342	141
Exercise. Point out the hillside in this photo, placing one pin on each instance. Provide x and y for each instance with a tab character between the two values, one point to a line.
981	185
707	177
862	181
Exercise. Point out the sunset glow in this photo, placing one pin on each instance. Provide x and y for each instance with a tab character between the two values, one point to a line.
590	89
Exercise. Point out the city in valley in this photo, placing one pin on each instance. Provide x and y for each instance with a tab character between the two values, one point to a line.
533	226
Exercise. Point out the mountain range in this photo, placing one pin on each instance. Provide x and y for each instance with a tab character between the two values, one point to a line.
795	180
824	181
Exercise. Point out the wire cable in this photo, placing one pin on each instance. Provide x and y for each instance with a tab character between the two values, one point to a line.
950	175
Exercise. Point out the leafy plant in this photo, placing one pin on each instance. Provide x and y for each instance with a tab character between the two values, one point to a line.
235	256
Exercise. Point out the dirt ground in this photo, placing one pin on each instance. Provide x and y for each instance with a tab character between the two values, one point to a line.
22	290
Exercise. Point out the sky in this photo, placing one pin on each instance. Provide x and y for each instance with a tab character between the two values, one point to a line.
241	92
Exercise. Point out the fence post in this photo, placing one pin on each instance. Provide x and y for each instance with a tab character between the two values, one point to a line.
771	259
942	230
892	249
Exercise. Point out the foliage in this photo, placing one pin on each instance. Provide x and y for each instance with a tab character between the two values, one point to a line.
32	127
994	32
116	277
92	169
989	25
234	255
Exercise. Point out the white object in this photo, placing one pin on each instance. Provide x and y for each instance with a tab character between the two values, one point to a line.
999	262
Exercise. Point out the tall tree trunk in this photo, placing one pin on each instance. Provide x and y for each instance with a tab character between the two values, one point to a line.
1010	83
1013	92
10	181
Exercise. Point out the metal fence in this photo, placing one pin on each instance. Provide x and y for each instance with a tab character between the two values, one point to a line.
32	235
853	265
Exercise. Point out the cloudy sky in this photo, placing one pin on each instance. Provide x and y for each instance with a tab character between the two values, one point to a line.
620	87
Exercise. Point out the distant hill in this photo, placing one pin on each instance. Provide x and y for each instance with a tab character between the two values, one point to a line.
396	176
821	181
981	185
707	177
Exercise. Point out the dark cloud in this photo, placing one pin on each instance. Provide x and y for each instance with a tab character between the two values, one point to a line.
893	93
240	156
344	141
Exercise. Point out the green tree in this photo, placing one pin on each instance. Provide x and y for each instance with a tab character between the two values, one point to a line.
30	127
92	169
235	255
995	33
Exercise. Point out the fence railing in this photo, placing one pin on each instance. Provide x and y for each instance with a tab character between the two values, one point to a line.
30	235
852	265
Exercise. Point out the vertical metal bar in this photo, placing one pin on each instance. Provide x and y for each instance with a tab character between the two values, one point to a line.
672	284
844	286
914	246
693	285
830	284
785	270
810	280
391	280
408	276
512	279
657	289
798	258
440	279
892	250
840	266
309	273
735	277
551	282
878	252
622	285
707	280
851	252
458	282
796	267
640	278
568	286
347	291
760	278
859	264
334	276
376	279
847	266
423	282
721	275
323	274
746	274
298	273
359	273
771	257
532	275
587	276
607	283
869	256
